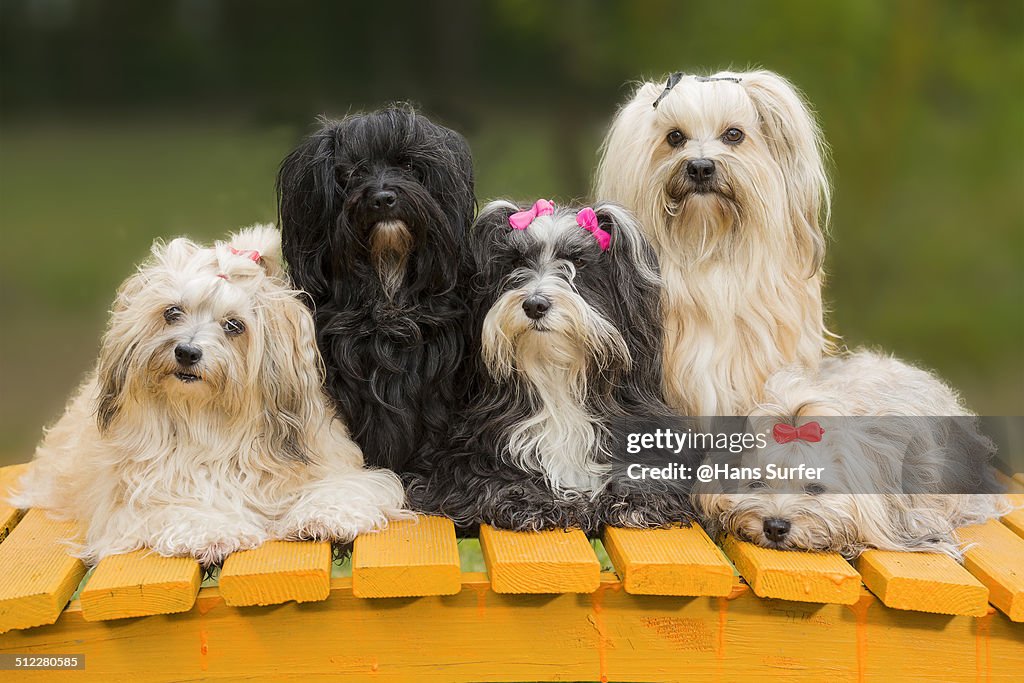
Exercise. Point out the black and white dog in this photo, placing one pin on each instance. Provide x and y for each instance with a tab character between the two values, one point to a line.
567	353
374	209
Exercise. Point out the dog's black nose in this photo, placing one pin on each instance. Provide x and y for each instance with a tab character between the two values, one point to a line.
776	529
188	354
383	199
536	306
700	170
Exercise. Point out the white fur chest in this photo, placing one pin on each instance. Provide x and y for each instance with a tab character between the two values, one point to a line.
723	340
561	438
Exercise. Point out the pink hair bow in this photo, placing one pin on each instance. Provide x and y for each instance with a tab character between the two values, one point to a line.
587	220
250	254
522	219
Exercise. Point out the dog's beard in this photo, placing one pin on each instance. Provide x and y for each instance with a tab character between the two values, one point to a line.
577	337
554	358
737	212
391	243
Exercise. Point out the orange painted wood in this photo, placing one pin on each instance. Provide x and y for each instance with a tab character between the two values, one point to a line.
480	635
539	562
1014	520
37	575
276	572
9	515
139	584
996	558
925	582
789	575
676	561
409	558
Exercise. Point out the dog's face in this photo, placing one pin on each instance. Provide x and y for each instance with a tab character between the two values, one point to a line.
204	334
796	513
855	500
550	296
709	161
387	195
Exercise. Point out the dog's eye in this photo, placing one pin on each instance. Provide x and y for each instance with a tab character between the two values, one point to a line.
814	489
757	484
733	136
576	259
407	165
233	327
675	138
173	314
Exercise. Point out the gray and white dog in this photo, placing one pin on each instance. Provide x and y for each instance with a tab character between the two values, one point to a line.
566	316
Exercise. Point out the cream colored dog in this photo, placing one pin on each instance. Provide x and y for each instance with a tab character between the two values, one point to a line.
901	463
726	176
204	429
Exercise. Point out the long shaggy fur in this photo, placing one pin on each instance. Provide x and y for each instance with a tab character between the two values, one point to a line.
741	254
385	281
536	447
903	460
207	458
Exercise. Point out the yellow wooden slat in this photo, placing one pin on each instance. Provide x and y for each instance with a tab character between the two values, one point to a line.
140	584
997	560
924	582
790	575
276	572
479	635
1014	520
677	561
409	558
539	562
9	515
37	575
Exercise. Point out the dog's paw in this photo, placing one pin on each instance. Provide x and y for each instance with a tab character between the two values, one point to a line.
418	494
521	509
641	508
337	528
338	523
209	546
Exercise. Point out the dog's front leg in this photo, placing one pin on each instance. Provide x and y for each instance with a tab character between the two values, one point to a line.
626	502
205	534
342	505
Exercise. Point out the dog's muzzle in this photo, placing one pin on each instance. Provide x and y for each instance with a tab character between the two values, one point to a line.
187	356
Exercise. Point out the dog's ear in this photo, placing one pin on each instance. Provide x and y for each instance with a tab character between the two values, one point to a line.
309	200
634	272
796	143
464	196
119	348
261	244
491	226
290	375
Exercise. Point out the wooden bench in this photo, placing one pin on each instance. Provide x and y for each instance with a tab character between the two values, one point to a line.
676	606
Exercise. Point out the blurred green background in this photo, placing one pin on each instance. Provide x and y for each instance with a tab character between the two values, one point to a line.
125	121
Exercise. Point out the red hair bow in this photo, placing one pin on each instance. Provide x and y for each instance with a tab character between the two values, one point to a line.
784	433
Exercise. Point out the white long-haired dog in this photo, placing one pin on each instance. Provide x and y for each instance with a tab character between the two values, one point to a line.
727	178
900	463
204	428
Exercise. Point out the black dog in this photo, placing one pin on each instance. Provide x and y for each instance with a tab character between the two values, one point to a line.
567	352
373	210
